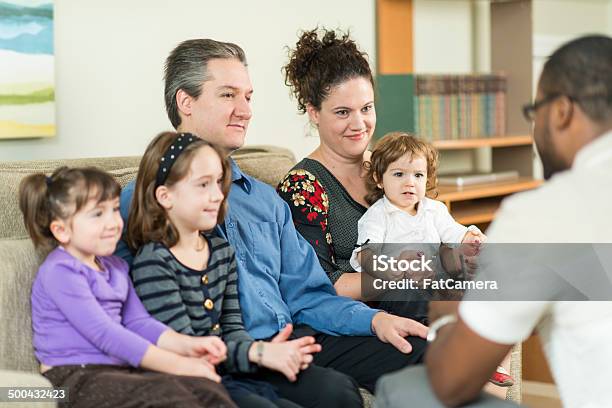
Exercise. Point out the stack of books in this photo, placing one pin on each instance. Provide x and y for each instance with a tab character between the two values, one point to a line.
442	107
458	106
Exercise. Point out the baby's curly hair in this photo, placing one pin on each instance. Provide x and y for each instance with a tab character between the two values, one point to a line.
317	64
390	148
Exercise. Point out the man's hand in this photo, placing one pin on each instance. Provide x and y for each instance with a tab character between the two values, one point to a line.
392	329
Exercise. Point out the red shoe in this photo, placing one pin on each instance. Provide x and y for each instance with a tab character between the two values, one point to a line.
501	378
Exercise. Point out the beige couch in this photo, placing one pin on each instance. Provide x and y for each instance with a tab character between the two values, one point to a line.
19	261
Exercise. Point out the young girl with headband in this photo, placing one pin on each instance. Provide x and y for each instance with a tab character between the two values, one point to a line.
91	332
186	276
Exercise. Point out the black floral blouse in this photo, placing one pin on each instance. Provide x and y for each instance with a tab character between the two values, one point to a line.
324	213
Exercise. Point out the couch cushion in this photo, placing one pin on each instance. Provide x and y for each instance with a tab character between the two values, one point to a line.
10	177
267	163
17	270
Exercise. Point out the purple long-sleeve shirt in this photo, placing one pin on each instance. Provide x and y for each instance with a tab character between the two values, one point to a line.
84	316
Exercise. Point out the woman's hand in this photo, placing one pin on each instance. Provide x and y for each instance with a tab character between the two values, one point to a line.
416	276
286	356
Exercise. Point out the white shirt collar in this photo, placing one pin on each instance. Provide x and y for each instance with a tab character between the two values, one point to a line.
596	153
390	208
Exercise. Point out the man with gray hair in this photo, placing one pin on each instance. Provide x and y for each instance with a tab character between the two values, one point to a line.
572	116
280	280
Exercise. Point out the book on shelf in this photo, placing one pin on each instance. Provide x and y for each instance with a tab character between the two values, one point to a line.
440	107
468	179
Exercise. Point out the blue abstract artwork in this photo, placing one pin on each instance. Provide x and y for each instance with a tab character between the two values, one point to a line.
27	84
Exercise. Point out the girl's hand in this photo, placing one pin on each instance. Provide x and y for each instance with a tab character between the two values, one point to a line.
196	367
211	348
288	357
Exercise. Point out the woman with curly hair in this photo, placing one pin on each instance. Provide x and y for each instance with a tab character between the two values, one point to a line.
331	79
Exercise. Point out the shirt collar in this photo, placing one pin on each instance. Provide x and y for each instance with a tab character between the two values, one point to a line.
392	208
239	178
596	153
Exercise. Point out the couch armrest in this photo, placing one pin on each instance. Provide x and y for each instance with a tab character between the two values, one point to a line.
24	379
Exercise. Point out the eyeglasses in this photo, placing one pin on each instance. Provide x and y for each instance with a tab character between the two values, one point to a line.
529	109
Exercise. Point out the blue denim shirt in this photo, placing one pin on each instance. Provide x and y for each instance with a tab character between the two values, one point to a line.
280	279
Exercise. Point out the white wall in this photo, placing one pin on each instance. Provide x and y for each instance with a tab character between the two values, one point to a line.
558	21
442	36
570	17
609	13
109	58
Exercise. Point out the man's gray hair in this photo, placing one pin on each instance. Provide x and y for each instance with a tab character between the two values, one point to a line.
186	69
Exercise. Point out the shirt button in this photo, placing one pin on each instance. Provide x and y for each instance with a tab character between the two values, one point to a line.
208	304
205	279
216	327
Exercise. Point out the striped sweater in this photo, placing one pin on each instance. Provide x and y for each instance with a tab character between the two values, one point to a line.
196	303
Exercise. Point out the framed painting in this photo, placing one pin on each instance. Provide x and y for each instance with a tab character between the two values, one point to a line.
27	83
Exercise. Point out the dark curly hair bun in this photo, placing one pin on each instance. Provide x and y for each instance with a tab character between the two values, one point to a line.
320	60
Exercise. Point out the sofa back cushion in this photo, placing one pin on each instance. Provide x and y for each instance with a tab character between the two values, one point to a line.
20	261
11	173
267	163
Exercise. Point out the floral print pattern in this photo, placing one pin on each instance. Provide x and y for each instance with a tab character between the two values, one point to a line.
310	198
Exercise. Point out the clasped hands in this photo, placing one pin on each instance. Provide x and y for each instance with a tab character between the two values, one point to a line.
280	354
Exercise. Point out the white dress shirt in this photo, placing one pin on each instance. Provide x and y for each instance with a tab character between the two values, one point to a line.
574	206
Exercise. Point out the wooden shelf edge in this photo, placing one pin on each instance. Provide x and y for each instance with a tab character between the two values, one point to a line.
486	190
500	141
475	212
475	219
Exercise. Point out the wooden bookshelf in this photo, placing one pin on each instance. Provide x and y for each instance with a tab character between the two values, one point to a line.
453	193
478	203
475	211
499	141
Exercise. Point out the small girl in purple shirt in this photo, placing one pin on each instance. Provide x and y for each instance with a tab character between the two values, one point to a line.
91	332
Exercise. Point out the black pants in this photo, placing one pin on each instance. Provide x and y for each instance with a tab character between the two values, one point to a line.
257	401
363	358
315	387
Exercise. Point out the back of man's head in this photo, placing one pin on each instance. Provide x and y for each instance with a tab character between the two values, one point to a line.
186	69
582	70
